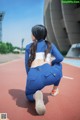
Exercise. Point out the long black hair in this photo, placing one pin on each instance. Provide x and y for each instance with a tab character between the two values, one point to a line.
39	32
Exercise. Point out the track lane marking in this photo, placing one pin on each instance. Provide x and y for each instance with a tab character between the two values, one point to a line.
67	77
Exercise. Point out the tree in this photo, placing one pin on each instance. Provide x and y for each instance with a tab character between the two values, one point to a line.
3	48
10	47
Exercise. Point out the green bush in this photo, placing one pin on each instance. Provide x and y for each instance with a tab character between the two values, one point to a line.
16	47
10	47
5	48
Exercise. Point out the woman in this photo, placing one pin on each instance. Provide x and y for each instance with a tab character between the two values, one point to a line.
41	70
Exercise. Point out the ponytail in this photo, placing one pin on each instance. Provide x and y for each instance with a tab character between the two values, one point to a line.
48	47
32	52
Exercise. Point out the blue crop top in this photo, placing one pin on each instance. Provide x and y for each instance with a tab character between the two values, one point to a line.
41	47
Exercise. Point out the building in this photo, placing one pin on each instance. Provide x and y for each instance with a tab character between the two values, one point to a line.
63	24
1	18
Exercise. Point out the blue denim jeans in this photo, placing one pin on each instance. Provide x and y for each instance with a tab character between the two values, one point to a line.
41	76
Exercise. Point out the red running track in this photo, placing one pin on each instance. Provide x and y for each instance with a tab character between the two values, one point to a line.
65	106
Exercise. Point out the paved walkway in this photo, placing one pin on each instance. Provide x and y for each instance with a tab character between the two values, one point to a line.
9	57
65	106
73	62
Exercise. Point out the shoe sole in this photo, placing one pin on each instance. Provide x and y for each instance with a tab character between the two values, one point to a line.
40	107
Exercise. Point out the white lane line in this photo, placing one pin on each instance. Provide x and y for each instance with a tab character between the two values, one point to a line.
15	60
67	77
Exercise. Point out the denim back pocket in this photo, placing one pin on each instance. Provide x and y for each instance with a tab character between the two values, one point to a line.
56	73
51	76
35	81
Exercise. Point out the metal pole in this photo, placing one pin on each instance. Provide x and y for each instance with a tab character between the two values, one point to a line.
0	31
1	19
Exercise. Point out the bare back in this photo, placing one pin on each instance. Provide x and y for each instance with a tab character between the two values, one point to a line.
39	60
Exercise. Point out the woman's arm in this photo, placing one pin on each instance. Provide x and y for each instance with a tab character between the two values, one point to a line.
58	56
27	57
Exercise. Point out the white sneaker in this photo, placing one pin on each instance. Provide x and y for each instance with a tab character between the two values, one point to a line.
39	103
55	92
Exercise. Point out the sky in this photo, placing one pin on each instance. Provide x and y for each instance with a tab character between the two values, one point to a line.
20	16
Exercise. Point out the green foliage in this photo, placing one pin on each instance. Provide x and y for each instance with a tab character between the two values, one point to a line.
16	47
64	53
10	47
5	48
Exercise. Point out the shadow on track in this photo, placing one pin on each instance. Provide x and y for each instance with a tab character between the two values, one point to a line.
21	100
